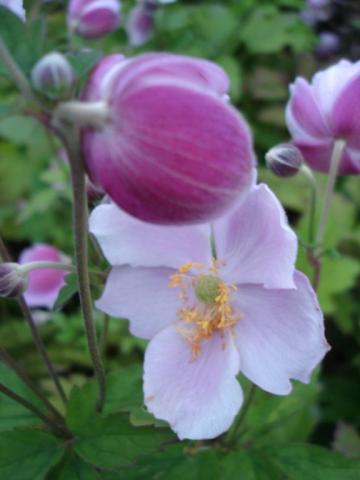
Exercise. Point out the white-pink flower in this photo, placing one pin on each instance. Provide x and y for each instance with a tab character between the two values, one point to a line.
16	6
207	320
326	110
44	284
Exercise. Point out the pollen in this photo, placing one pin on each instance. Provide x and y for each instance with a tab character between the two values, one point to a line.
206	300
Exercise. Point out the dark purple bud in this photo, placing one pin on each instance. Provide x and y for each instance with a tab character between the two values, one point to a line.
139	25
12	281
284	160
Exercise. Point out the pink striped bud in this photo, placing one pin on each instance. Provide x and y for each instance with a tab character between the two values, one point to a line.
93	18
166	146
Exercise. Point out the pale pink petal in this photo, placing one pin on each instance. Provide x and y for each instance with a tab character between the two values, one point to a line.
199	398
143	296
127	240
44	284
280	335
329	82
306	110
318	156
256	242
345	113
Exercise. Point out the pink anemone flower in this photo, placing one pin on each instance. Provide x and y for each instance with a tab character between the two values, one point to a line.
44	284
170	150
324	111
209	318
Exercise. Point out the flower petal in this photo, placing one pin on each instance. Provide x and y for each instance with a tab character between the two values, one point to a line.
345	113
305	109
256	242
127	240
199	398
143	296
280	335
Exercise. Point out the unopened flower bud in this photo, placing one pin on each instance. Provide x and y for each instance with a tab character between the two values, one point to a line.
284	160
53	75
12	281
93	18
140	24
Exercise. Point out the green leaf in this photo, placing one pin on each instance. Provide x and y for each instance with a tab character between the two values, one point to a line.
112	442
293	462
67	291
176	463
12	414
74	468
267	30
310	462
27	454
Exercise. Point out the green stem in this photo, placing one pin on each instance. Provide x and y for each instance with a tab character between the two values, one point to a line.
233	433
16	73
314	256
10	362
70	137
307	173
59	430
28	267
35	335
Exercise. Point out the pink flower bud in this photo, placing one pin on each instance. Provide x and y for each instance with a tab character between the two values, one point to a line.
16	6
53	75
140	25
12	281
44	284
93	18
284	160
172	150
326	110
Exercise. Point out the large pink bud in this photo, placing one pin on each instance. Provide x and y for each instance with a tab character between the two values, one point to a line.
324	111
172	150
93	18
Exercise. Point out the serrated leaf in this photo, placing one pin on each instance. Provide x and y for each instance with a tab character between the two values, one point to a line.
67	291
112	442
27	454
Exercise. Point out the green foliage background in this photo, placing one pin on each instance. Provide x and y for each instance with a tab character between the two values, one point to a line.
313	433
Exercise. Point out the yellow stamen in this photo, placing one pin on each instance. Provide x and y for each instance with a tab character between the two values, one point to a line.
209	314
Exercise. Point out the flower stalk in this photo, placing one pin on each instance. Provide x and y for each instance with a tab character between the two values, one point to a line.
70	138
4	254
233	434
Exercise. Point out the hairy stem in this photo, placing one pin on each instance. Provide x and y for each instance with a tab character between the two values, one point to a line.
16	73
70	138
35	335
28	267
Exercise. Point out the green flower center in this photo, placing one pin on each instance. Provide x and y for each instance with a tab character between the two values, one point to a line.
207	288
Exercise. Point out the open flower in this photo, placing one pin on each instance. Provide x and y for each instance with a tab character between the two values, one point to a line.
44	284
208	319
324	111
168	148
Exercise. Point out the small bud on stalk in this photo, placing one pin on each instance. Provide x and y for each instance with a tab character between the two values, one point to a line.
53	75
284	160
93	18
12	281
